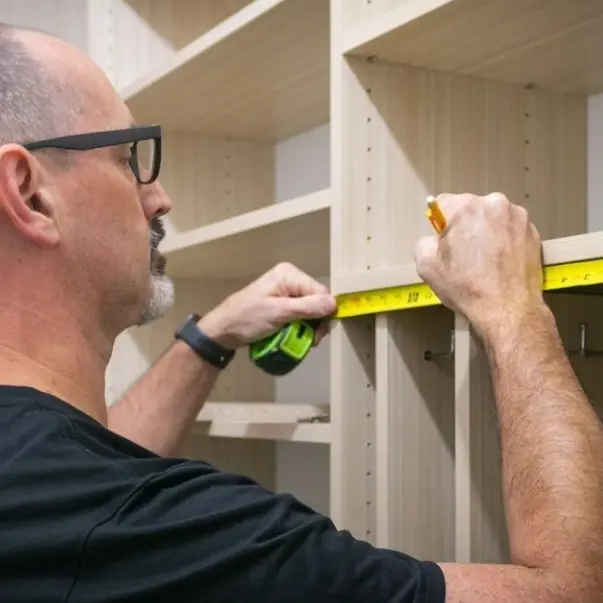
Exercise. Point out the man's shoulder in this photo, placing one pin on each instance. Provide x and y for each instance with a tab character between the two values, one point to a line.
63	475
37	427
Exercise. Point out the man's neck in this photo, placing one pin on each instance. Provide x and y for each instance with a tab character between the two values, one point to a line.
52	353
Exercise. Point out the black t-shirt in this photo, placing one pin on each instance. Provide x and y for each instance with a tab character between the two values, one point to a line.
87	516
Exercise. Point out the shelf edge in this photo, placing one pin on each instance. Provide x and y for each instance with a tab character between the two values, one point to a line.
361	35
259	218
262	412
317	433
218	34
575	248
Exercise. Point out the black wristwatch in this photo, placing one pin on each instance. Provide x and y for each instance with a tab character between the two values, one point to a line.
204	346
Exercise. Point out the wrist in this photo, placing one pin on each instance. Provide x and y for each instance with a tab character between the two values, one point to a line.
501	331
216	326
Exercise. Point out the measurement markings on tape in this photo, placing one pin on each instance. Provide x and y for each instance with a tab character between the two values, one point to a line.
420	295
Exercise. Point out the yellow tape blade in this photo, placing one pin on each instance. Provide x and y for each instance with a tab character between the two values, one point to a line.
420	295
578	274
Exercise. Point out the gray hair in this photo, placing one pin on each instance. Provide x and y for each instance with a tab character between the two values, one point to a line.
34	103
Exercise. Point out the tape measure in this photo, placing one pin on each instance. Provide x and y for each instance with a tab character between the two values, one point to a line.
279	353
418	295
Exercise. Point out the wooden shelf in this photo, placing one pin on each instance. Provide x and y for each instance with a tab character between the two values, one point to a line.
563	250
183	21
261	74
266	421
295	231
555	44
318	433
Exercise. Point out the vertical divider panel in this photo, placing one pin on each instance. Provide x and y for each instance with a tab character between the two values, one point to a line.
415	433
353	427
352	341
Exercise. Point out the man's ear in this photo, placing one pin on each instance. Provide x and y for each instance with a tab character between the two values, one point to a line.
24	198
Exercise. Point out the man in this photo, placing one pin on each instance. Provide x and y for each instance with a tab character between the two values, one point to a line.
92	506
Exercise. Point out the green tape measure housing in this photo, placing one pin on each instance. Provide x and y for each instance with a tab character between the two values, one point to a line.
279	353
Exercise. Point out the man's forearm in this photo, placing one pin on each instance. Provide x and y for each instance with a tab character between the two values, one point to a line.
159	410
552	448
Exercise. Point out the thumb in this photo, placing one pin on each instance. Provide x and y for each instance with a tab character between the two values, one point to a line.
317	305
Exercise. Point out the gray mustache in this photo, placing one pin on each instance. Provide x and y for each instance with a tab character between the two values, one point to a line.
157	232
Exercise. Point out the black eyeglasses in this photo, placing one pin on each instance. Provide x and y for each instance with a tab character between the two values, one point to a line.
145	158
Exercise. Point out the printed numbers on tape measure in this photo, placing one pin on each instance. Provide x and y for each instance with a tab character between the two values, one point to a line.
559	276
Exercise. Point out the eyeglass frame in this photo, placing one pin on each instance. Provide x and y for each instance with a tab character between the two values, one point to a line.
108	138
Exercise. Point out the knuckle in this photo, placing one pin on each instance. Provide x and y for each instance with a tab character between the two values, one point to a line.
496	198
467	198
468	203
497	204
284	267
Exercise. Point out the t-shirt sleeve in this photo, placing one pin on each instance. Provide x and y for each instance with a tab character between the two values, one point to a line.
193	533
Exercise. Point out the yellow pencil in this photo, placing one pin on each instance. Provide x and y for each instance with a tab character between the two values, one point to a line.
435	215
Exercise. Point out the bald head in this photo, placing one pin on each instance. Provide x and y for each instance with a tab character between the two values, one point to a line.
35	101
75	216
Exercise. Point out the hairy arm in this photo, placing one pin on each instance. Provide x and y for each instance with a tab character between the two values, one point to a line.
552	452
160	409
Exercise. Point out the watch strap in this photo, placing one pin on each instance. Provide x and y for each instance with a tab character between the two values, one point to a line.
202	344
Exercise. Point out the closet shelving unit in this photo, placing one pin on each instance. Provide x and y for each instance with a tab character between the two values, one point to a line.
422	96
436	96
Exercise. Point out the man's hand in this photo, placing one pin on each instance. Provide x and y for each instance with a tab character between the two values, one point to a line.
486	264
280	296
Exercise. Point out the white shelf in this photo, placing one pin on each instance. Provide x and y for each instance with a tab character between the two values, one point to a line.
263	73
265	421
296	231
555	44
563	250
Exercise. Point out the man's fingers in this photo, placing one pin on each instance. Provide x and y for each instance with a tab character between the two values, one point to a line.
455	205
451	204
294	282
306	307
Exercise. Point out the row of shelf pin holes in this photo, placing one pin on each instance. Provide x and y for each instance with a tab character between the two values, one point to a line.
369	473
583	350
